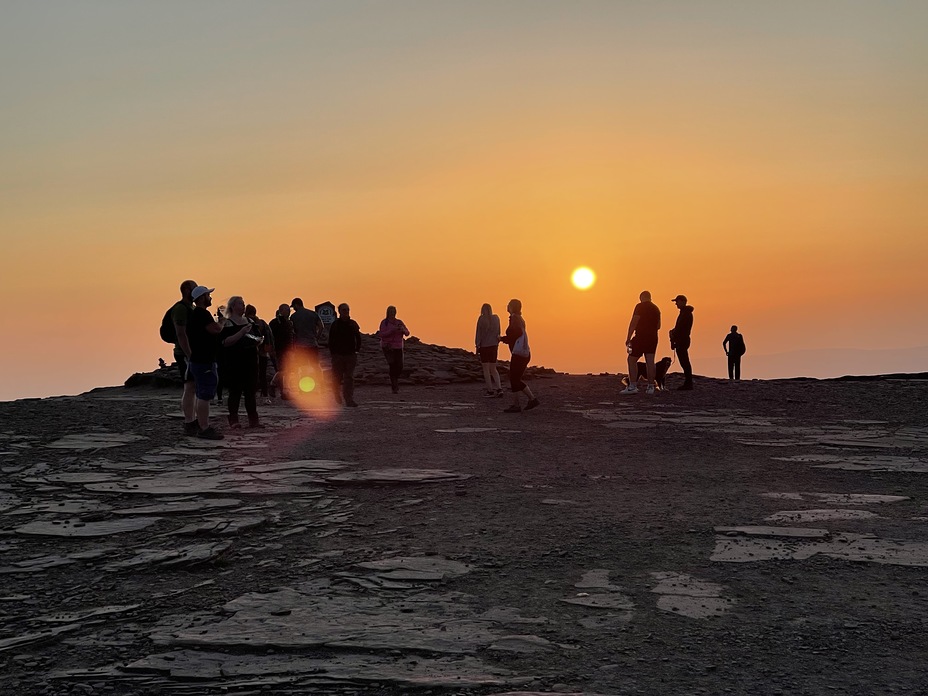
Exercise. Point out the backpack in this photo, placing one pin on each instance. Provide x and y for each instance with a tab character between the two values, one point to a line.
167	331
737	346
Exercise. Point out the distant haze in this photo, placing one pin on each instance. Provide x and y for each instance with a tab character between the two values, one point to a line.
769	160
836	362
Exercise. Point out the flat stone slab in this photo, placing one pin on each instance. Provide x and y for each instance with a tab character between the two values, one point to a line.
852	547
94	441
689	596
397	475
918	465
61	507
79	528
612	600
267	671
180	507
596	579
775	532
839	498
194	554
180	483
318	616
417	567
823	515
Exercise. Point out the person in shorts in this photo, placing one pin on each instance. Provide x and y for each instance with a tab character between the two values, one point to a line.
486	340
203	335
517	339
642	340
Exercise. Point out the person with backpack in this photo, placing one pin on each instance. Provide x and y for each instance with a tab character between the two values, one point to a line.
174	330
734	349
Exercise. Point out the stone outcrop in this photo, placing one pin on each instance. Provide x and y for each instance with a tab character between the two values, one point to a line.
425	364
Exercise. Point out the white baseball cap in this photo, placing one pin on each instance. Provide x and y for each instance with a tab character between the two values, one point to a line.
199	291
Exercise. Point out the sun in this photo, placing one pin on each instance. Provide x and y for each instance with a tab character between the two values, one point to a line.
583	278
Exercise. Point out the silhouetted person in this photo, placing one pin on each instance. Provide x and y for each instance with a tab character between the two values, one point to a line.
517	339
260	328
344	345
391	333
282	331
645	324
734	349
203	334
307	329
486	340
220	319
180	315
680	340
240	362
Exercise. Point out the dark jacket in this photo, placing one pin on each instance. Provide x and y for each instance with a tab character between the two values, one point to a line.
282	330
344	337
680	333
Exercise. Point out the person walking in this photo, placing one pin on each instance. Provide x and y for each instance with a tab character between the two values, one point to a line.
391	333
487	340
680	340
734	348
240	364
344	345
180	315
517	339
645	325
203	336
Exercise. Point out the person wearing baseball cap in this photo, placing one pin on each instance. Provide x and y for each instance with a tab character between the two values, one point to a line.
203	336
680	340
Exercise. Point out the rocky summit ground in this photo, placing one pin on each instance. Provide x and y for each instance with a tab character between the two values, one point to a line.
751	538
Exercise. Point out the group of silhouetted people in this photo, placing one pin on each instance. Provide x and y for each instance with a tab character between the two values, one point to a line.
643	337
234	350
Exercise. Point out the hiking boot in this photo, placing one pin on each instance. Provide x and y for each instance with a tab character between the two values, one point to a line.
499	393
650	389
489	394
256	425
630	389
210	434
513	409
191	428
531	404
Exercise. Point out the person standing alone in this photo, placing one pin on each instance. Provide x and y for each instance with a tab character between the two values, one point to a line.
734	349
680	340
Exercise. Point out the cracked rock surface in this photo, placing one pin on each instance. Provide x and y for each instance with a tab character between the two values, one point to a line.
762	538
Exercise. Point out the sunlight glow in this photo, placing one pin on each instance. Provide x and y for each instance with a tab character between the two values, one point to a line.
583	278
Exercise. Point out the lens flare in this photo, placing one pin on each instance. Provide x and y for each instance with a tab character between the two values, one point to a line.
307	384
583	278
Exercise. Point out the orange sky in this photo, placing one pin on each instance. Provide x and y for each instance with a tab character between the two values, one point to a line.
769	162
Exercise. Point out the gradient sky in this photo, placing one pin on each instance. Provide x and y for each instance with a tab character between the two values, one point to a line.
769	160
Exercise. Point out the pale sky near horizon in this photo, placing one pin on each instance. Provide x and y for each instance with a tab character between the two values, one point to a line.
768	160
